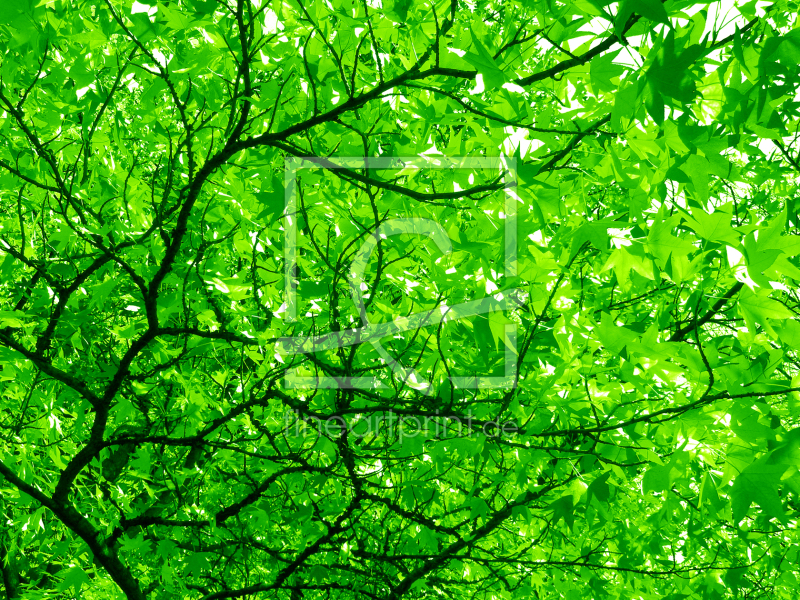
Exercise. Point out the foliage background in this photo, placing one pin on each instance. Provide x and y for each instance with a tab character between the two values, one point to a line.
149	447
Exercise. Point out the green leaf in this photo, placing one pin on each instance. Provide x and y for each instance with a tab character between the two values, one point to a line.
75	578
759	259
595	232
708	494
497	324
697	168
483	61
663	244
629	259
602	70
563	509
649	9
670	75
758	483
789	48
773	238
599	489
272	200
614	337
757	308
672	138
657	479
624	107
714	227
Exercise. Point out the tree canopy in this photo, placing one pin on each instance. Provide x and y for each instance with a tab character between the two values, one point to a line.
202	213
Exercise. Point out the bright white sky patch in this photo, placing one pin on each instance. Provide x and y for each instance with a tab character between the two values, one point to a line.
271	23
138	7
517	138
